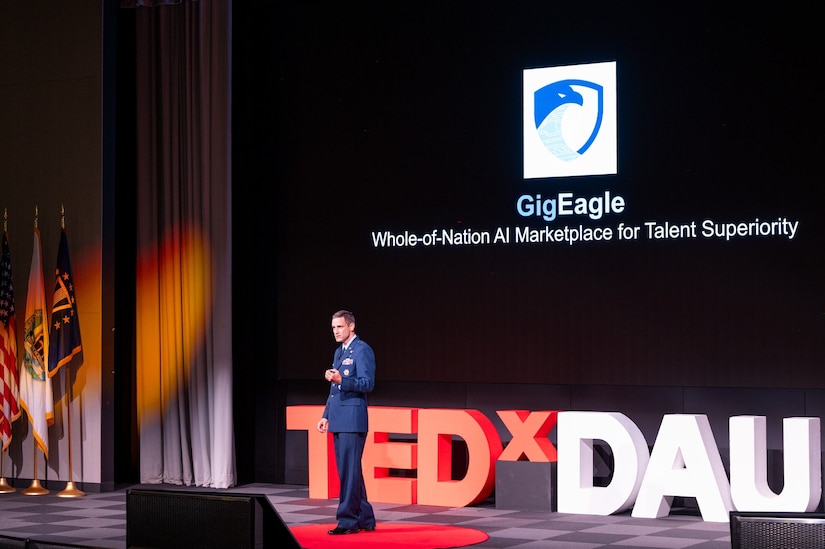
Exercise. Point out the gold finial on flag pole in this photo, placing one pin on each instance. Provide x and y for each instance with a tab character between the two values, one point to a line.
36	215
5	220
62	218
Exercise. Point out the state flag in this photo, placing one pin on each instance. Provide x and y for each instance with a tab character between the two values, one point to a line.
64	331
36	395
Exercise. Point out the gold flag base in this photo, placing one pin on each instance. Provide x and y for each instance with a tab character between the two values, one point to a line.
5	488
70	491
34	489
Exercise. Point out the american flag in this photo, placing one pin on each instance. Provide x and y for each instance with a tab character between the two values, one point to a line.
9	383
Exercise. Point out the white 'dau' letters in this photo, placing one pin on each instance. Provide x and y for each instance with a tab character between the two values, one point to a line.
748	465
685	461
576	432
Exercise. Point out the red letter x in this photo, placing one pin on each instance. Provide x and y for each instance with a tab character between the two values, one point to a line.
529	430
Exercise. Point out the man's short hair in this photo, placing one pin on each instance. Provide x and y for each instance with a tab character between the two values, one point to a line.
348	317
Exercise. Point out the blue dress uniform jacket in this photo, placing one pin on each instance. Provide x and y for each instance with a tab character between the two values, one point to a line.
346	408
346	413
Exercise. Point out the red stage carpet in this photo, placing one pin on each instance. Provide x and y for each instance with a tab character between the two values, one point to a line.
396	536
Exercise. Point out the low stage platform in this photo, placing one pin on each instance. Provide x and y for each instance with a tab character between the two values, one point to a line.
99	521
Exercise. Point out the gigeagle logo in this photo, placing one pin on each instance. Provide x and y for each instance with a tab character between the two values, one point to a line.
570	121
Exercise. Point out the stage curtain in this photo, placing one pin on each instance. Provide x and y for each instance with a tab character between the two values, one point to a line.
183	328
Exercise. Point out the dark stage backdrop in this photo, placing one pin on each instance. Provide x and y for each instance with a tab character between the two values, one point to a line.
405	118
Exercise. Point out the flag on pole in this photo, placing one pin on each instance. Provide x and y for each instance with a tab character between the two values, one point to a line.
64	330
9	387
35	385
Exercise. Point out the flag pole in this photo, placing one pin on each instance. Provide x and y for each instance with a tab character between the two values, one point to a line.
70	491
5	488
34	489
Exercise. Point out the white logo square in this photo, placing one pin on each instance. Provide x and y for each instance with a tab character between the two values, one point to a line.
570	121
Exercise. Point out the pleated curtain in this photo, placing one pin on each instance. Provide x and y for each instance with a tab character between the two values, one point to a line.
184	279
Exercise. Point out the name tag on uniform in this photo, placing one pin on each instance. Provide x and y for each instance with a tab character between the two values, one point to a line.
347	361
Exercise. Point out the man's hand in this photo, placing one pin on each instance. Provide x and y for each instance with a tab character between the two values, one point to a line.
333	375
322	425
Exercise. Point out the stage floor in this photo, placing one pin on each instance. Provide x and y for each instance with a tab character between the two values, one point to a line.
99	520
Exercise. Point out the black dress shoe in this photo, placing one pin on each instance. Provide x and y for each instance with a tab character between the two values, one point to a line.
368	529
337	531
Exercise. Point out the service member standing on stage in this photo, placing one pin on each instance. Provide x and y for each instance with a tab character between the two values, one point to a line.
351	377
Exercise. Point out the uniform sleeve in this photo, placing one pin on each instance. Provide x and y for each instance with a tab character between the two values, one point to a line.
325	415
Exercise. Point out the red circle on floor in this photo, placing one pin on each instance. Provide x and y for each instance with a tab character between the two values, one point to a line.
395	535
